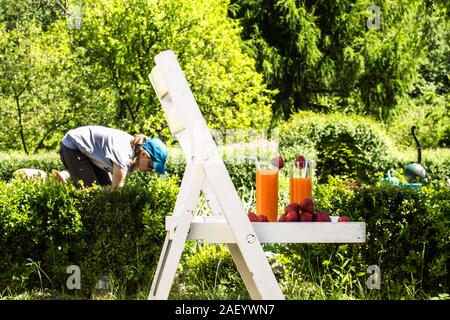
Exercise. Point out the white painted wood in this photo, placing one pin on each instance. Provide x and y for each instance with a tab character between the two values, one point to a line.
175	83
244	271
175	239
212	229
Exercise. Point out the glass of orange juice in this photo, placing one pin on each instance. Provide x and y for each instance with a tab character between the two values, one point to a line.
300	182
267	191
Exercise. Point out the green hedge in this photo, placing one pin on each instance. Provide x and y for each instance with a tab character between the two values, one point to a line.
9	162
241	172
343	146
45	227
353	147
408	231
407	236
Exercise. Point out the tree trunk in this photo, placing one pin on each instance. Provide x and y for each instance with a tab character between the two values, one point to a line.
19	113
19	119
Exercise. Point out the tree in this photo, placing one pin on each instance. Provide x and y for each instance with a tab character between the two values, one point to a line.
43	90
120	38
17	72
321	54
435	69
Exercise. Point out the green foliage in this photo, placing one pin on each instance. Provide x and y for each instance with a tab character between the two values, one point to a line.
407	230
208	271
44	11
56	75
435	69
407	237
42	88
435	161
357	148
242	172
340	145
9	162
351	147
119	39
321	56
430	113
48	226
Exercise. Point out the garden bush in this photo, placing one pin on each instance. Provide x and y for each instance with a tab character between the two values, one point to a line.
45	227
408	231
242	172
430	113
408	237
354	148
351	147
9	162
435	161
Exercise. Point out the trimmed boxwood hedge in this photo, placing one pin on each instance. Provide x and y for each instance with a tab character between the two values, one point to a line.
408	231
45	227
407	237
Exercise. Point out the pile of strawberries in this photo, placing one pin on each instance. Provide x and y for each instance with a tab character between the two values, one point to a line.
303	212
257	218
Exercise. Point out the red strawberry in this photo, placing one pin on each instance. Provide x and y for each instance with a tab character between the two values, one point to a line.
292	207
307	205
300	162
322	217
262	218
282	218
252	217
291	216
306	216
344	219
278	162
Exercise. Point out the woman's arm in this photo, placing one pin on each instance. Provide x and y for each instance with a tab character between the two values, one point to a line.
118	177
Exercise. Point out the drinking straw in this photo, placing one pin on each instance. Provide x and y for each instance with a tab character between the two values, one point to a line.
254	158
306	168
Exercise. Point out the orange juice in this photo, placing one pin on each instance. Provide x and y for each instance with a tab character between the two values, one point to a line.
300	188
267	193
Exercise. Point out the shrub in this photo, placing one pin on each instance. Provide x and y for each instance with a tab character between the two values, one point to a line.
9	162
242	172
435	161
430	113
354	148
407	230
407	237
46	227
351	147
